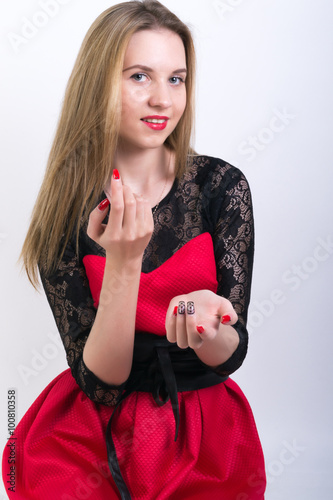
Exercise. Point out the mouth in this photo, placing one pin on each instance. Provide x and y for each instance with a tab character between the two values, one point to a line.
156	122
155	119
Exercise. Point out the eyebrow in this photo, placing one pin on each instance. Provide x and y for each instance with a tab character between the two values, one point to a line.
146	68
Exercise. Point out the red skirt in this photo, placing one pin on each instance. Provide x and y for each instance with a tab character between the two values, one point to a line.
59	447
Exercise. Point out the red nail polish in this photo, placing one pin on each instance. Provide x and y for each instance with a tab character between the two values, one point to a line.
103	205
115	174
200	329
225	319
175	310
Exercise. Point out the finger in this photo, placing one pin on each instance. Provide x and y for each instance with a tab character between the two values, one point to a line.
149	219
129	225
227	312
107	189
95	227
140	214
170	323
117	206
194	339
181	332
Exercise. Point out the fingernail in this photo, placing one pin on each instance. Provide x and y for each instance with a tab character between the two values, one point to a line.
200	329
225	319
115	174
103	205
181	307
175	309
190	307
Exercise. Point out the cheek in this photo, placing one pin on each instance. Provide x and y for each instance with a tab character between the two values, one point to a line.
132	98
181	102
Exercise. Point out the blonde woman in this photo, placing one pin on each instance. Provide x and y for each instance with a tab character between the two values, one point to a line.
145	252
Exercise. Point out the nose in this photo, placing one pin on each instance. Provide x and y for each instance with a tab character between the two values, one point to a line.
160	96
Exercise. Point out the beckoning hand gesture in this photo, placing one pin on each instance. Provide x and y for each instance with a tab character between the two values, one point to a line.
129	227
195	317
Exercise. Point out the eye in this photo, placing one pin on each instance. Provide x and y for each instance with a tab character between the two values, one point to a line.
139	77
177	80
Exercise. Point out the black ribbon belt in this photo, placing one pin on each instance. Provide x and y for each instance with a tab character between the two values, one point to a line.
163	369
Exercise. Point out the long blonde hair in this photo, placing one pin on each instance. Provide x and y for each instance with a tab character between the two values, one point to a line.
86	138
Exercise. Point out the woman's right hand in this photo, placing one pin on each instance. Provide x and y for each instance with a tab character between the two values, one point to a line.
130	225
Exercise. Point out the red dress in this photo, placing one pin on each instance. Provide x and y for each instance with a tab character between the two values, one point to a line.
60	442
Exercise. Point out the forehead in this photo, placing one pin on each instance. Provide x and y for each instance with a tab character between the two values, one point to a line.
155	48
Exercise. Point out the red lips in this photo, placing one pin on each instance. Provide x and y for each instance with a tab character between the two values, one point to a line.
156	126
155	117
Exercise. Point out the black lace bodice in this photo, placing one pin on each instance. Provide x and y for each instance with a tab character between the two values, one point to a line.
212	196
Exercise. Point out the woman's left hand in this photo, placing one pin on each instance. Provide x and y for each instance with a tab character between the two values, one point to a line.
197	316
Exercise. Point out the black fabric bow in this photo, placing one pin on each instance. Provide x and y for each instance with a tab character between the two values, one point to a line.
163	369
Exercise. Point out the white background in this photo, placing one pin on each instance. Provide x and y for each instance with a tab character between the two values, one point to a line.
257	60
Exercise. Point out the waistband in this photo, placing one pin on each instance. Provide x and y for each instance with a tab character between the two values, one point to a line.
163	369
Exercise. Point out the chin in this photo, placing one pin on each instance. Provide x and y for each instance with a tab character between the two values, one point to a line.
150	144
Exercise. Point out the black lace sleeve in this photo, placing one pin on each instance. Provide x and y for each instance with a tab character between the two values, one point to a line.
233	237
67	291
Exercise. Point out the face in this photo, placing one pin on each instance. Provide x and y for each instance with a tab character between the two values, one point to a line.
153	88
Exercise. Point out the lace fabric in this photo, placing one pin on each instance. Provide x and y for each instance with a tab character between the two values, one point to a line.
212	196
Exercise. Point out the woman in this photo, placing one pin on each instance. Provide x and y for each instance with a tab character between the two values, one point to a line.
147	268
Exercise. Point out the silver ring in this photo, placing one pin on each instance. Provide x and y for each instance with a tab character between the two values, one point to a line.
190	307
181	307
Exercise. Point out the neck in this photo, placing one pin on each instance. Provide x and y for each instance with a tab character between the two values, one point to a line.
143	170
